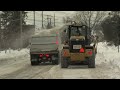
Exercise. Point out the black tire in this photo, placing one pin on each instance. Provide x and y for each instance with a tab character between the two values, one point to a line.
64	63
91	61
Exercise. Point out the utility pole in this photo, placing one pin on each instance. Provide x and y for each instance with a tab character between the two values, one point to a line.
54	20
0	22
21	28
42	19
1	31
118	47
0	19
34	20
48	21
2	34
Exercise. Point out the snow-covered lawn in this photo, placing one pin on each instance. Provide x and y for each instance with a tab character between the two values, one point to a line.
13	53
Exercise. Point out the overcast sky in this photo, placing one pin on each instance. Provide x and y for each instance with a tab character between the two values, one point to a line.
38	16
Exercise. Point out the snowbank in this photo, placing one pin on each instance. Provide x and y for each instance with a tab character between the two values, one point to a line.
108	53
13	53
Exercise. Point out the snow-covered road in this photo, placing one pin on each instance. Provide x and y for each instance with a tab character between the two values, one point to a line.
107	67
16	65
20	68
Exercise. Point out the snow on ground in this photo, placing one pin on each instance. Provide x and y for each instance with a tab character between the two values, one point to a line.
110	53
13	53
107	66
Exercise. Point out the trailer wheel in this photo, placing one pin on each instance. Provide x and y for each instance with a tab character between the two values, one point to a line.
33	63
64	62
91	61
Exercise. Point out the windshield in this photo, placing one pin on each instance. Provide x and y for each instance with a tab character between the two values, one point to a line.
77	31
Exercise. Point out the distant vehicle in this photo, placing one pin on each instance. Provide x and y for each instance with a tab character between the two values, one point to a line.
44	49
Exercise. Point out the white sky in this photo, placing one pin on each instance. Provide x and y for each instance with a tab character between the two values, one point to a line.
38	16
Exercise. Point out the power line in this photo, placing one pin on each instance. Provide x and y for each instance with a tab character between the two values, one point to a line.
48	18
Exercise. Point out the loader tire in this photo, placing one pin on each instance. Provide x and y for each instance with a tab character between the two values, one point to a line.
91	62
64	63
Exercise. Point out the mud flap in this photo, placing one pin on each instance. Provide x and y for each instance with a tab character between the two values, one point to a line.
55	59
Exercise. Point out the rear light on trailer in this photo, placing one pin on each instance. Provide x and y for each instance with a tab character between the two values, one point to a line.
57	40
41	55
47	55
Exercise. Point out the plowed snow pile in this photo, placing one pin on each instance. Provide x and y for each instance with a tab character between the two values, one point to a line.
110	54
13	53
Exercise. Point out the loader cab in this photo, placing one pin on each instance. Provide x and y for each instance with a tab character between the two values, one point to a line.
77	49
77	31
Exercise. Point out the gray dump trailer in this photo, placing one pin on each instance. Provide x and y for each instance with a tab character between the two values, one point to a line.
44	49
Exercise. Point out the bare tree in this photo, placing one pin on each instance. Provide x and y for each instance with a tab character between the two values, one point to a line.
67	19
89	18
